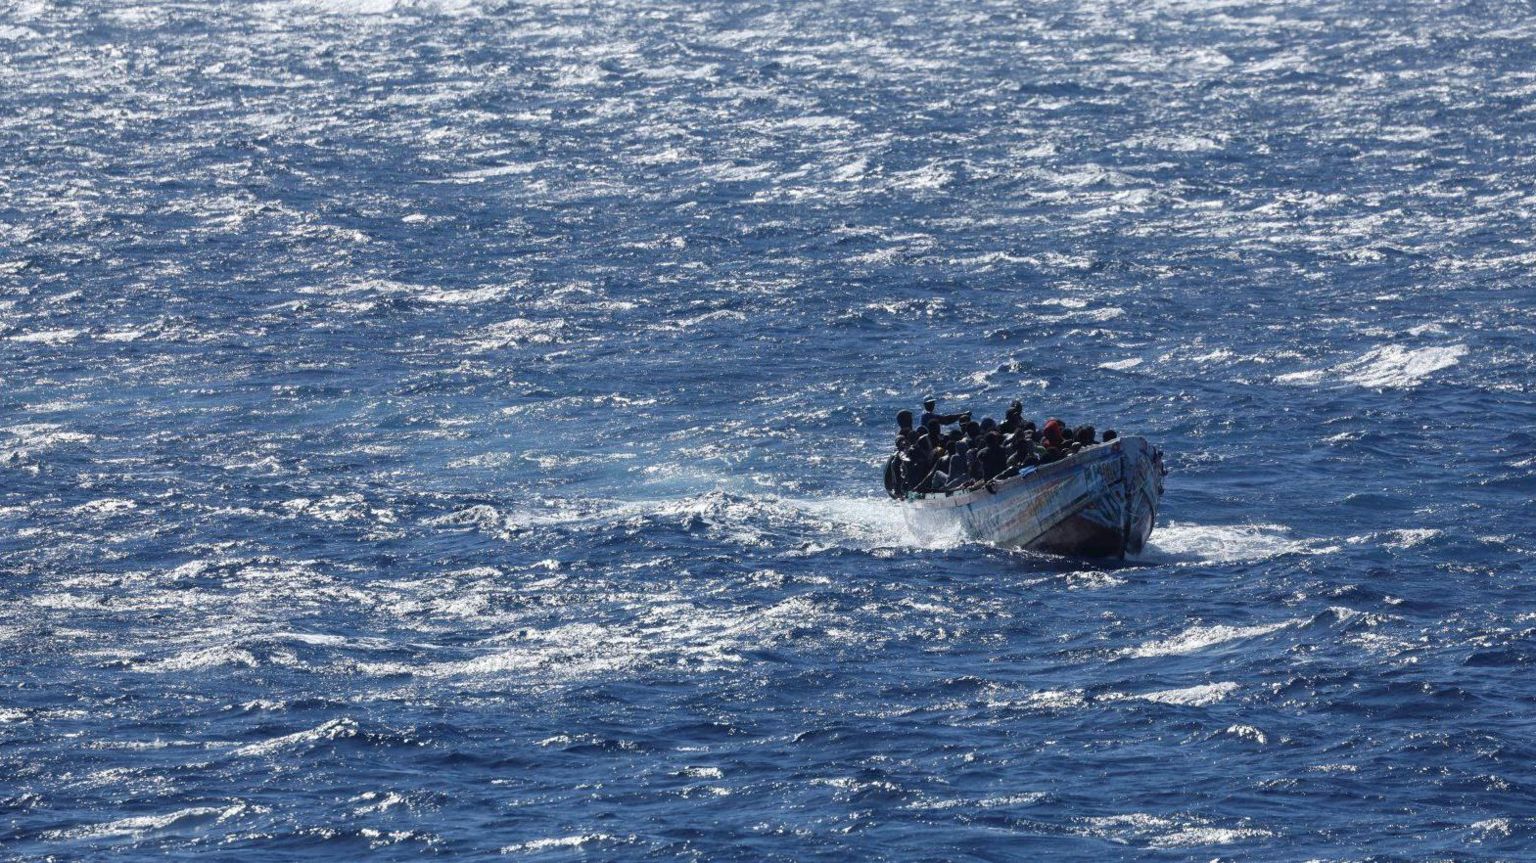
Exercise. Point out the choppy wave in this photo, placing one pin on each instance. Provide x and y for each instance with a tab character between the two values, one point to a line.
144	825
1199	638
1226	543
1387	367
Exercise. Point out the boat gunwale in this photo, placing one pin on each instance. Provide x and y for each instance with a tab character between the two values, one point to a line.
964	497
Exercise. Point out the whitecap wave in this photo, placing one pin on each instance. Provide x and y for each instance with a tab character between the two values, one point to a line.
1247	732
1121	365
556	843
1386	367
48	337
217	656
1224	543
335	729
515	332
370	8
36	436
141	825
1189	696
665	631
1199	638
1167	831
1195	836
104	506
1394	366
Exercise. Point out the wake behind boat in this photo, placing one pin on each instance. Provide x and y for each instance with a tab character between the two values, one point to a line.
1056	490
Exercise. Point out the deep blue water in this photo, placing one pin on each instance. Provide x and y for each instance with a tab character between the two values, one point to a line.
454	429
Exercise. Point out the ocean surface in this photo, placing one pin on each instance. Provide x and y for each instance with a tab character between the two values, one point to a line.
453	429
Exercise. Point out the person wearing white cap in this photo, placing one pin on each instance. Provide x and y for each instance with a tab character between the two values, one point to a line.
929	405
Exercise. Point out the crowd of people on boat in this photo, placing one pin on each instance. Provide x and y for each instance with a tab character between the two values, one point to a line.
970	455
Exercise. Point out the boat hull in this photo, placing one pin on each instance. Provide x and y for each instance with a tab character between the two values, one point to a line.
1101	502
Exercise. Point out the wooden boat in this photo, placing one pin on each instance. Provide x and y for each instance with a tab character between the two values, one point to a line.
1101	501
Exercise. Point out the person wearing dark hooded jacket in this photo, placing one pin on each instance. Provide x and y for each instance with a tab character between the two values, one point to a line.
992	457
1022	454
957	469
1013	420
973	462
893	486
895	483
916	466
